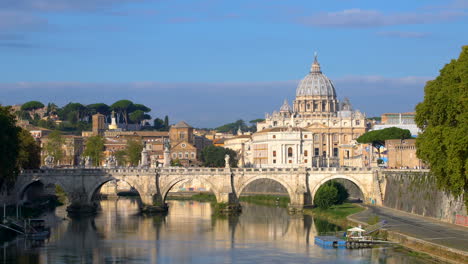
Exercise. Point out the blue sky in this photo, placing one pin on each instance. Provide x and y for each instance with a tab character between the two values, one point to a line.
211	62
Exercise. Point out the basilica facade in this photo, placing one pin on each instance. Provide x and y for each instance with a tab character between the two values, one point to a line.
317	131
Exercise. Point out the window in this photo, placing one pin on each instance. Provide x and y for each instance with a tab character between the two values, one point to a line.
290	152
316	137
323	106
335	137
358	122
324	153
335	152
305	153
274	161
182	135
180	155
274	136
324	138
174	155
193	155
290	161
316	152
186	155
305	161
275	123
274	153
305	136
308	106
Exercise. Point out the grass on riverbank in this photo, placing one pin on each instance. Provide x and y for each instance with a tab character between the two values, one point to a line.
199	197
336	214
261	199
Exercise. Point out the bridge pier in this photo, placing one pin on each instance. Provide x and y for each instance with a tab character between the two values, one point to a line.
152	204
79	208
228	202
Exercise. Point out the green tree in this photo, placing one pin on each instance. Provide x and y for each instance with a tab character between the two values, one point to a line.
141	107
213	156
31	107
9	146
158	124
377	137
29	156
100	108
123	107
137	116
443	119
54	145
121	157
166	123
133	151
326	196
331	193
94	149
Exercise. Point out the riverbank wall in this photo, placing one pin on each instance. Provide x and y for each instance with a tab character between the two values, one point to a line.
416	192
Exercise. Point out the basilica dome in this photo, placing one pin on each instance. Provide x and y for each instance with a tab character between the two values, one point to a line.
316	83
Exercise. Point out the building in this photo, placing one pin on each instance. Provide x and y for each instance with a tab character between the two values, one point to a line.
401	154
400	120
99	124
313	132
241	145
185	146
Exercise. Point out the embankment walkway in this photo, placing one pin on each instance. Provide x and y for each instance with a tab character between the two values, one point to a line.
434	233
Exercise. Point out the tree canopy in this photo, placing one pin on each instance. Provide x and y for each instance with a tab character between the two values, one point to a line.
9	146
18	149
54	144
133	151
94	149
213	156
29	156
234	127
443	119
329	194
377	137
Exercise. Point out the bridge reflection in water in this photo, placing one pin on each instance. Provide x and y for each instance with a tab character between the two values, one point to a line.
190	234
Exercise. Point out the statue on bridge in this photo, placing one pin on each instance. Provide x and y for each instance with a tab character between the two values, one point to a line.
49	161
167	153
111	162
88	162
226	161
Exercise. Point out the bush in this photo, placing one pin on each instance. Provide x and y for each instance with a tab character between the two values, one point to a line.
329	194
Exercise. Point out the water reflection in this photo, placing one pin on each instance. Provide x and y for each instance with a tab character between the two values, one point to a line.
189	234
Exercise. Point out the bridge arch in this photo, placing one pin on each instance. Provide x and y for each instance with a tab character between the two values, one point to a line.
98	185
169	185
246	183
356	182
45	183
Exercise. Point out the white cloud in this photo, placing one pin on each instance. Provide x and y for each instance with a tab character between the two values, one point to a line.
403	34
359	18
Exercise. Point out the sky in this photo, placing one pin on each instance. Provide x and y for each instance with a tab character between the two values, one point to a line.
211	62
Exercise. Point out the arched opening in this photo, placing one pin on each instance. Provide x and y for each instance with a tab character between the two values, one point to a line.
115	192
38	194
265	191
353	188
195	189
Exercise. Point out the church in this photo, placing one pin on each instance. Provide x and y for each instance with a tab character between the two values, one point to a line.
317	131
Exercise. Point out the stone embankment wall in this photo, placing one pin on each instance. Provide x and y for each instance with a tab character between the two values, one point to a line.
416	192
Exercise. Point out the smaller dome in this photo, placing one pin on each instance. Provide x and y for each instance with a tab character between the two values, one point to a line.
286	107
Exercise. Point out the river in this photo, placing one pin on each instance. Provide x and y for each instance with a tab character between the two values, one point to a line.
188	234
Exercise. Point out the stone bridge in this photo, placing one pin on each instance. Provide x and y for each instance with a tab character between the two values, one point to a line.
227	184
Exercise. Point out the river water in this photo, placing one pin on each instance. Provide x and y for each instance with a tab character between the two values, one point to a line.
188	234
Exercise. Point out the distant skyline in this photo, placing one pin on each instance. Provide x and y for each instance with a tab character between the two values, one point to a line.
210	62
